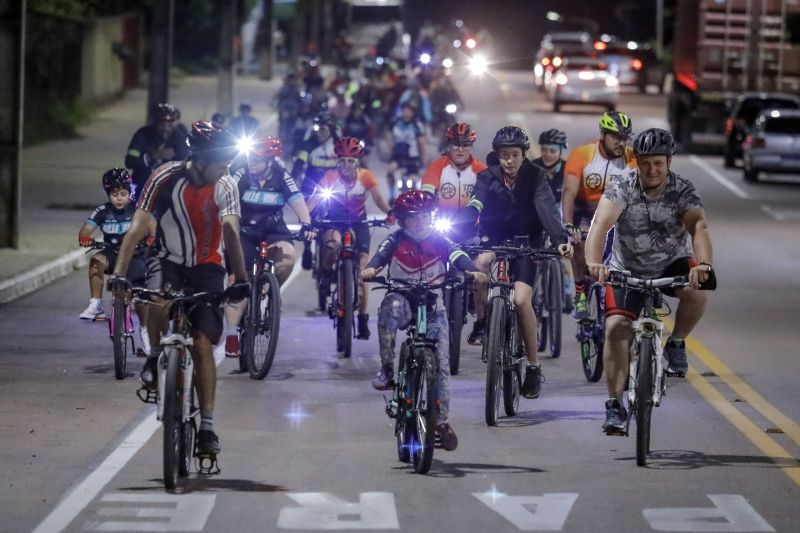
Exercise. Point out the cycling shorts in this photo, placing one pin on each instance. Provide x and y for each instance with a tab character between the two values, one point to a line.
250	246
137	268
362	237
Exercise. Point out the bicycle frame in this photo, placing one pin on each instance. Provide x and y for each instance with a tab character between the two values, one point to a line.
648	328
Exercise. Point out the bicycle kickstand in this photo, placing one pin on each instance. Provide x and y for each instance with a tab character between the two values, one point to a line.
207	465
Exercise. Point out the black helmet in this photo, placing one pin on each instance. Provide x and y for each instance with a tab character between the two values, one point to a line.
116	178
654	141
511	136
617	123
326	119
553	136
165	112
211	143
218	119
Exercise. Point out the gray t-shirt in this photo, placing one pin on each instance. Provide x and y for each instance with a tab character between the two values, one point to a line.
650	233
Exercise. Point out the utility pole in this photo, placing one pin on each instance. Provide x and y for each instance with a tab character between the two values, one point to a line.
264	46
160	53
12	82
227	61
660	30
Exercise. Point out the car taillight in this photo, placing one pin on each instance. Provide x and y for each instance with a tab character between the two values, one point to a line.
759	142
637	64
557	61
728	126
545	61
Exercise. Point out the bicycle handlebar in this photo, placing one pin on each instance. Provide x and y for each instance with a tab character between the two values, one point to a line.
627	280
332	223
401	284
213	299
512	251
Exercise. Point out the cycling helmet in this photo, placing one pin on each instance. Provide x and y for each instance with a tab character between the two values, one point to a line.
165	112
206	141
326	119
414	202
616	122
116	178
218	119
654	141
511	136
244	107
348	147
267	146
460	134
553	136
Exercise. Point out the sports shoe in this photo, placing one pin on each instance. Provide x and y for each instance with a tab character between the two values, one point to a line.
581	308
363	327
308	259
533	381
568	305
145	340
476	335
675	351
95	310
447	436
231	346
616	416
148	373
384	380
207	442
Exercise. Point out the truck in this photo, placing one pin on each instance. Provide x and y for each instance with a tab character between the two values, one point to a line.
721	49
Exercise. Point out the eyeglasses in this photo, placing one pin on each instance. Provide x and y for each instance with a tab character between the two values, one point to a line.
348	161
464	146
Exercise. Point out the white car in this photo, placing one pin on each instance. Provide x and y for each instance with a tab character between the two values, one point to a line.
583	80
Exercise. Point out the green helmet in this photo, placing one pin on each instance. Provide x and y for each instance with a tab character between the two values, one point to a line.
617	123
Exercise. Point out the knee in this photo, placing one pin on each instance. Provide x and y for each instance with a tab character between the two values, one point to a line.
692	298
617	329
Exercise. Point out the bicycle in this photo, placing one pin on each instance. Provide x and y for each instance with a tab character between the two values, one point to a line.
413	404
647	371
501	348
547	305
591	334
455	301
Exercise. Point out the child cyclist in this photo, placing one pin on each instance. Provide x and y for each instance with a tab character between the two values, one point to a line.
113	219
416	252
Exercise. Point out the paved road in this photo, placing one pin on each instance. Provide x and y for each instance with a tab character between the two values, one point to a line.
310	447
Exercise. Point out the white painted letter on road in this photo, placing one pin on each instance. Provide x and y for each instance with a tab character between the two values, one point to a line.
531	513
320	510
738	515
153	512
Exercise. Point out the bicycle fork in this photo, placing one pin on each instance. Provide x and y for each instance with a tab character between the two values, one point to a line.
175	342
648	330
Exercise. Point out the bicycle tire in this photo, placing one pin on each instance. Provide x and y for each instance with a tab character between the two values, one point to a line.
455	318
323	291
266	321
512	387
644	401
424	388
172	418
347	295
593	337
119	339
555	302
495	347
188	436
403	430
539	305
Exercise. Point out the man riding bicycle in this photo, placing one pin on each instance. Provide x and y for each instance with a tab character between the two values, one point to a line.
408	149
589	170
661	231
343	195
196	204
514	199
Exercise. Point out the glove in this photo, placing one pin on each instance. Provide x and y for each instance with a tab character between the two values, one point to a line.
308	231
238	291
118	284
85	241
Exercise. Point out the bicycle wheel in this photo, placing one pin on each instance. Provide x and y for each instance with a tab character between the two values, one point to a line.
425	412
541	310
188	434
512	385
119	338
323	290
644	400
403	429
554	302
495	347
591	335
455	316
172	418
347	299
265	317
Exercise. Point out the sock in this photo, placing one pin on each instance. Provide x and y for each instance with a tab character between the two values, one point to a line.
537	364
207	420
230	330
679	341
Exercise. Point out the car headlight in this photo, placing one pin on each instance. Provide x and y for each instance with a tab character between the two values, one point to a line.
451	108
478	64
612	81
447	62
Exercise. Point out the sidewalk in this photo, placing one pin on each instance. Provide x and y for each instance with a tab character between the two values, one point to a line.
61	179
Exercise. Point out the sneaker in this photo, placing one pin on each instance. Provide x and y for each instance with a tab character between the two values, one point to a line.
363	327
476	335
148	373
384	380
581	309
568	305
675	351
447	436
207	443
533	381
308	259
616	416
95	310
231	346
145	340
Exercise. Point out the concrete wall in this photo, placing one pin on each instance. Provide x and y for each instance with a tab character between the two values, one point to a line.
102	71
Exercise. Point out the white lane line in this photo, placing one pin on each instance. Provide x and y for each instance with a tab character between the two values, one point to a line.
82	494
714	173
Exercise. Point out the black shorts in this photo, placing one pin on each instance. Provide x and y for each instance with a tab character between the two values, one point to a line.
250	247
361	235
200	278
137	268
523	269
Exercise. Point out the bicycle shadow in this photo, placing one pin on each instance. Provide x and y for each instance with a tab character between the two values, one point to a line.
198	483
535	418
693	460
442	469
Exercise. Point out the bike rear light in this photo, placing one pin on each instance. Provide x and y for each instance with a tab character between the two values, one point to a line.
502	270
262	250
637	64
347	239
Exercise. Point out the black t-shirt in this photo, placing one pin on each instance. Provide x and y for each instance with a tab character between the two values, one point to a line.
114	223
262	205
555	176
145	143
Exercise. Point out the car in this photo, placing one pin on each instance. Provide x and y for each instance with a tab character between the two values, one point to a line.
744	111
584	80
633	65
773	145
553	48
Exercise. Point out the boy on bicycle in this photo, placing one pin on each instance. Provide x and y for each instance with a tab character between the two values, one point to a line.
416	252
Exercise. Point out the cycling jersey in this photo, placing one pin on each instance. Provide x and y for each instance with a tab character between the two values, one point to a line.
145	142
114	223
262	204
596	173
555	175
189	215
452	187
406	139
347	202
313	160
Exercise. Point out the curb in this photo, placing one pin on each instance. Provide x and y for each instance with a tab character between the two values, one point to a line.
23	284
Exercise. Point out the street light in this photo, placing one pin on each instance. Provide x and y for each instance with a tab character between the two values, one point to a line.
552	16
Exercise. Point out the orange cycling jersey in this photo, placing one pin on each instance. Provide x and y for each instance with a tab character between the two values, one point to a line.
595	172
352	200
452	187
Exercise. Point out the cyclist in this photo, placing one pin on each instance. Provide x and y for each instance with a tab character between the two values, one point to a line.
661	231
417	253
552	144
513	199
196	204
347	188
408	146
590	169
155	144
265	187
244	125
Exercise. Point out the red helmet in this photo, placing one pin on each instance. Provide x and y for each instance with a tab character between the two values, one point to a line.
268	146
460	134
348	147
414	202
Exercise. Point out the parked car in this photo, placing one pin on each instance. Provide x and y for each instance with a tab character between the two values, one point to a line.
584	80
744	111
552	50
773	145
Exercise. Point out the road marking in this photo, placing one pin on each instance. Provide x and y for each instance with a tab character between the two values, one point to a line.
548	512
781	215
738	515
320	510
184	512
718	176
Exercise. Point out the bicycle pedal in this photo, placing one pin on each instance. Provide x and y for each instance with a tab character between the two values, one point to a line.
676	374
146	395
207	465
612	432
140	353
